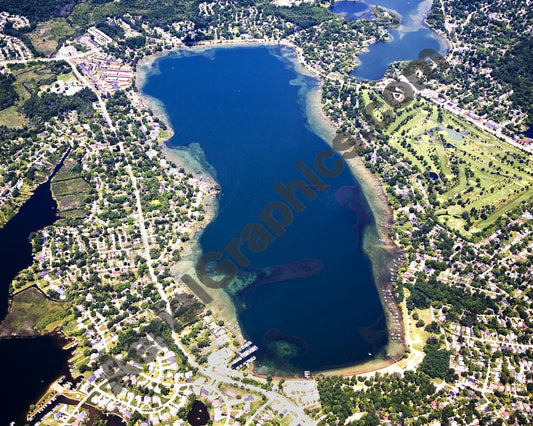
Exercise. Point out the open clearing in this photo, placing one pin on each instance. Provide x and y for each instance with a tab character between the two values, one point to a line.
30	311
46	35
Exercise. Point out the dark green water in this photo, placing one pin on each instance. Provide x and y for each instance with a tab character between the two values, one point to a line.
313	303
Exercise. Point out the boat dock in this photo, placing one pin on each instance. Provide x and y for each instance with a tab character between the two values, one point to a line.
246	354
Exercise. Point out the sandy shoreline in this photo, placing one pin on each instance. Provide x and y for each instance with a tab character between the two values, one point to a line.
370	183
377	244
382	252
222	307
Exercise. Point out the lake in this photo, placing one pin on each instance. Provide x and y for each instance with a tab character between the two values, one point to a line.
37	212
529	131
407	41
27	365
309	300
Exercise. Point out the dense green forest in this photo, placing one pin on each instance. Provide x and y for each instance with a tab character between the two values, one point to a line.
41	108
304	16
405	397
113	31
436	363
514	68
425	291
8	95
40	10
83	13
162	11
153	12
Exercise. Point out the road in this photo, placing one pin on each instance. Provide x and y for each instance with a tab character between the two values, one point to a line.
55	59
464	115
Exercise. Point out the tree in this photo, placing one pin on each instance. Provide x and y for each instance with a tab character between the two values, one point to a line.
436	363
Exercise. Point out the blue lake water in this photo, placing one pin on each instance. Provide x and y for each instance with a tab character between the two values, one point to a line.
407	41
352	10
312	301
16	251
27	365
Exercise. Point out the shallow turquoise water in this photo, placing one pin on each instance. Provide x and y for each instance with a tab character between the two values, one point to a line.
313	303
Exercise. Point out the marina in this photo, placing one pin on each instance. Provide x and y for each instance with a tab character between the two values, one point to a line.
246	355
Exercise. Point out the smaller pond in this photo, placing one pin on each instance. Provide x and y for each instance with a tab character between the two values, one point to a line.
198	415
352	10
529	132
456	136
405	43
433	175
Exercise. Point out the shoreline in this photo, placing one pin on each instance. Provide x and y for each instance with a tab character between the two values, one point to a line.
387	250
382	255
383	217
326	129
65	344
223	309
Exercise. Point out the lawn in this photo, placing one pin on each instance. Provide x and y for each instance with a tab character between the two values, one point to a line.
10	117
29	79
73	185
478	177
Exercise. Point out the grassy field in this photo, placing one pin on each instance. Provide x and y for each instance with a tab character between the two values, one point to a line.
46	35
31	311
10	117
30	79
70	190
475	176
66	77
